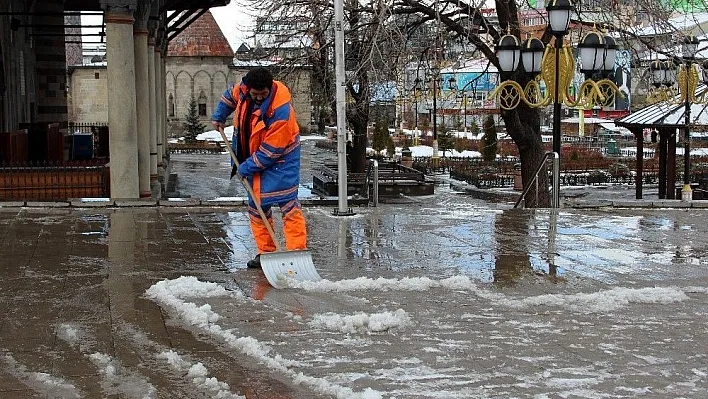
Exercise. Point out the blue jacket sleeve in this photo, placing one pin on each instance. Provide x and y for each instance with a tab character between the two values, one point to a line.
226	106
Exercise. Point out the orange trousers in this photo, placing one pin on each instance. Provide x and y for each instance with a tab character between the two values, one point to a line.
293	226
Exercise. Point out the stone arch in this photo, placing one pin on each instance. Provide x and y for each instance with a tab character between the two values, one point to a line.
170	88
203	84
220	84
183	93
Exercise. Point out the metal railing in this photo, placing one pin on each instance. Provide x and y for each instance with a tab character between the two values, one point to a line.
556	180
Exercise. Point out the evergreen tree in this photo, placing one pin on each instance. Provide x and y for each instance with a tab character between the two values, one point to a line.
446	141
192	125
381	139
489	140
474	128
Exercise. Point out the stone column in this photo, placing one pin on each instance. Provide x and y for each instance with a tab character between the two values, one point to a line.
50	67
161	109
153	109
140	46
163	81
122	122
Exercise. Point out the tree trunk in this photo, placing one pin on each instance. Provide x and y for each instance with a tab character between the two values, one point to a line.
523	125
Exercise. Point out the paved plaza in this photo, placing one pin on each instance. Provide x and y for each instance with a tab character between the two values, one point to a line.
444	296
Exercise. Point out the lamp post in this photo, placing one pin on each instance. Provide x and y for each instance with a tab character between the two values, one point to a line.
416	93
556	69
435	81
689	49
558	21
462	94
664	76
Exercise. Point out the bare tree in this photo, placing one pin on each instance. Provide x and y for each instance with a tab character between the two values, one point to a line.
383	36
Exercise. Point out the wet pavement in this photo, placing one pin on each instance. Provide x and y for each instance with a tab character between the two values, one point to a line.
443	296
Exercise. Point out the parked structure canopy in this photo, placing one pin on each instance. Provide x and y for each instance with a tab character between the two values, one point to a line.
665	118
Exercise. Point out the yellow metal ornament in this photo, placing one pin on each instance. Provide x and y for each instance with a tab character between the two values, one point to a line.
566	71
687	83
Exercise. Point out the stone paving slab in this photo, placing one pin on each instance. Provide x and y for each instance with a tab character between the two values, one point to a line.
499	303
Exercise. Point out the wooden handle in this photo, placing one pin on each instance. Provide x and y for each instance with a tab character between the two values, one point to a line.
248	187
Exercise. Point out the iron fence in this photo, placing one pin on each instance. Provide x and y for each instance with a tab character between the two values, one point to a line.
53	183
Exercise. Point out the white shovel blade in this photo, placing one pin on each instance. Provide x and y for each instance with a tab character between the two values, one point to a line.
295	264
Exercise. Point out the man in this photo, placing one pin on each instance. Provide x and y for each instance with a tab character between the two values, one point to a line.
267	145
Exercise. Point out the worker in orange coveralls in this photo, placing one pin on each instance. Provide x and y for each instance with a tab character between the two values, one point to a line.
267	145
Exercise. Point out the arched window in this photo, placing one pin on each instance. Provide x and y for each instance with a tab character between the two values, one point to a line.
171	105
201	104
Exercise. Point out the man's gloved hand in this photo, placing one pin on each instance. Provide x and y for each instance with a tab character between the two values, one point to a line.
242	171
234	171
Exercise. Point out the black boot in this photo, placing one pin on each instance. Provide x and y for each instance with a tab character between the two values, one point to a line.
254	263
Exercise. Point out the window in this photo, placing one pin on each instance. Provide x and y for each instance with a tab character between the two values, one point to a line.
171	105
201	104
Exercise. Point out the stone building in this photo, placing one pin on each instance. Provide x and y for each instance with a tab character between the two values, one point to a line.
200	64
88	94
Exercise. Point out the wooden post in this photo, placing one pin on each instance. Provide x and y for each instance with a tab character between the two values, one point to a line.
639	178
671	165
662	163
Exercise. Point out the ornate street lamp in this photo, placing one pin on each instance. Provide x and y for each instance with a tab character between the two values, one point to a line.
664	76
416	93
555	66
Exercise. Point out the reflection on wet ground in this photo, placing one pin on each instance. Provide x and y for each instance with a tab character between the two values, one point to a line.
444	296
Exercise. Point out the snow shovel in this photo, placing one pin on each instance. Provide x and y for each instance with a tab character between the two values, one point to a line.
295	264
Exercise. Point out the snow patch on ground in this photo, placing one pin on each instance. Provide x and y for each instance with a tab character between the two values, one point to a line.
199	375
46	384
119	381
169	293
362	322
385	284
597	302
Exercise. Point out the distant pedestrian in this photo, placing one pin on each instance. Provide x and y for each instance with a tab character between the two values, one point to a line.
267	145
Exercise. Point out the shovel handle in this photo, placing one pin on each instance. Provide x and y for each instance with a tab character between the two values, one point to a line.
248	187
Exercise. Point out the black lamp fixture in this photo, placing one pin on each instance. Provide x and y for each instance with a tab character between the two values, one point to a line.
592	54
509	53
610	56
690	47
559	12
662	73
531	55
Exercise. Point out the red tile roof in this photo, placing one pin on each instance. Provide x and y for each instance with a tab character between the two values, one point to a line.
203	38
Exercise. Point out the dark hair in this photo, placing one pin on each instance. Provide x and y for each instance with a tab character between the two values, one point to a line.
259	79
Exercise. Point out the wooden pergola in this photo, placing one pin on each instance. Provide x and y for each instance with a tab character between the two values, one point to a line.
668	120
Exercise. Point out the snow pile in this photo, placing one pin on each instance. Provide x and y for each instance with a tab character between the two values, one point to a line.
362	322
189	286
199	375
120	382
383	284
601	301
68	333
46	384
169	294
